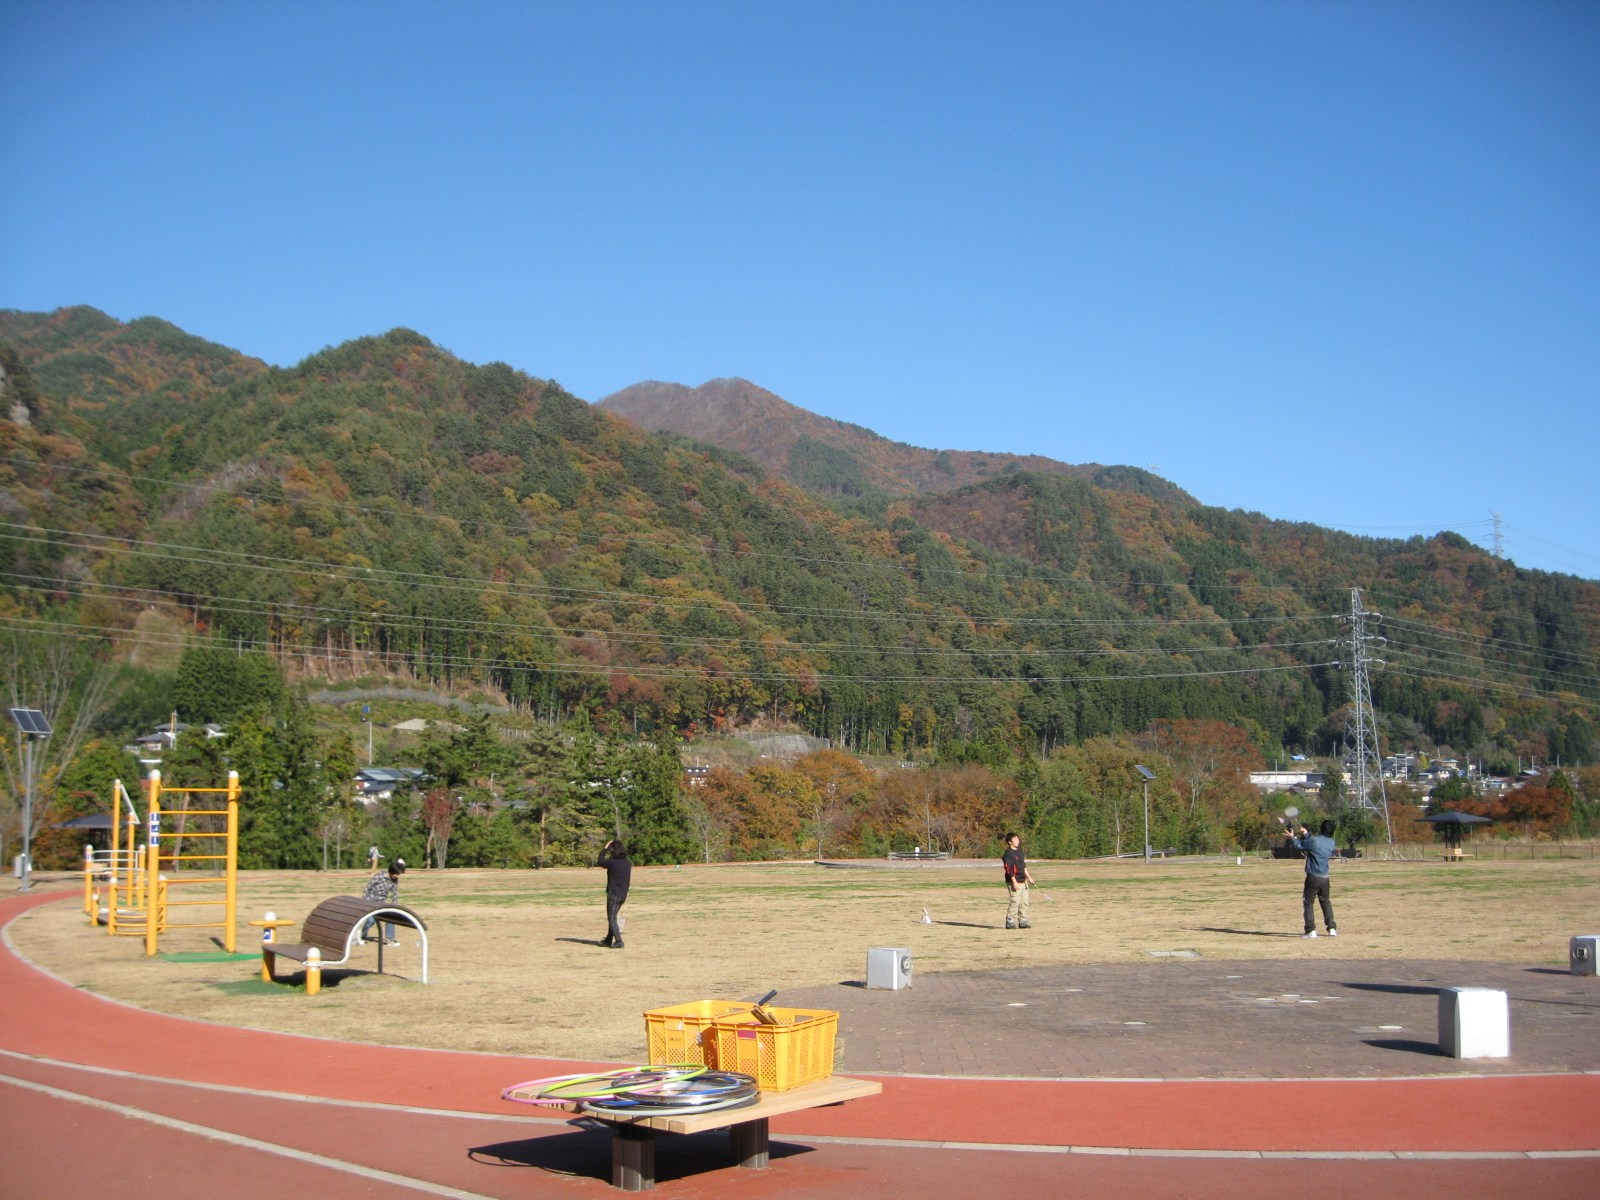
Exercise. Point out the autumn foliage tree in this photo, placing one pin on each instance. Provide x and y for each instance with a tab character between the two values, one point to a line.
1210	760
840	785
439	808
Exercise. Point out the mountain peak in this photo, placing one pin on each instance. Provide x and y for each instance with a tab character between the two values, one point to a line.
832	456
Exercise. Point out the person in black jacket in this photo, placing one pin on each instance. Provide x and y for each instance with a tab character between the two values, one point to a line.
619	874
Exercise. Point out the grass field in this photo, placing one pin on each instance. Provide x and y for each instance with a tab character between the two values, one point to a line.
514	971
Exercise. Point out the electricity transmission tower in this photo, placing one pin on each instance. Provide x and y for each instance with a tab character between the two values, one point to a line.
1499	538
1361	732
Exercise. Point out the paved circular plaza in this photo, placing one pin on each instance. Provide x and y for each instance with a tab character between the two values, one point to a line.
1192	1018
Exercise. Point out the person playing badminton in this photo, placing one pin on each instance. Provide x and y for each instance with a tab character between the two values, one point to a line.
1319	850
619	875
1017	881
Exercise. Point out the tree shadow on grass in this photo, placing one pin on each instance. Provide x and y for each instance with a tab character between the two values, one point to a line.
586	1154
1247	932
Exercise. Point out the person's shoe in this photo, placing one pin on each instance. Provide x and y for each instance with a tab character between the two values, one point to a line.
1023	925
391	941
617	945
1011	924
1333	933
608	942
1309	933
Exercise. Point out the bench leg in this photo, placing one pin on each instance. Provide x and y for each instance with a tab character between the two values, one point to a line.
633	1157
748	1141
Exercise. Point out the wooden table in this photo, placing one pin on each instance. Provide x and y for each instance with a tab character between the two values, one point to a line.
633	1140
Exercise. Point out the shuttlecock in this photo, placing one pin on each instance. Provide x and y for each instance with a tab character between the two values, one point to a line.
926	919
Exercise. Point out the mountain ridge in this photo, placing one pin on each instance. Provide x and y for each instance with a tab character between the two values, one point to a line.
831	456
384	504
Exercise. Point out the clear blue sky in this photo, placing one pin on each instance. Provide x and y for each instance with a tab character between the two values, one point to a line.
1331	261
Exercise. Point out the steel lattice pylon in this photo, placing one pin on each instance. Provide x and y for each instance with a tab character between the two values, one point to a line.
1361	732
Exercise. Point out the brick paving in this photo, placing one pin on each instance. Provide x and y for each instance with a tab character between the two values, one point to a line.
1205	1019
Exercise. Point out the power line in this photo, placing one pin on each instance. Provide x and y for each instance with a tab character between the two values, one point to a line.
300	566
1479	637
1417	651
102	632
1428	675
1042	574
412	622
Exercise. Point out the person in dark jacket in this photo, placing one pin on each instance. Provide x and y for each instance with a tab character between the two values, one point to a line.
384	888
1319	850
1017	881
619	875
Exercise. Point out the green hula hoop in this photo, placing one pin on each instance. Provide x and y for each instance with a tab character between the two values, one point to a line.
562	1090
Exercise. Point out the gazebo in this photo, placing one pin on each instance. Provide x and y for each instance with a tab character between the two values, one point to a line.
1454	825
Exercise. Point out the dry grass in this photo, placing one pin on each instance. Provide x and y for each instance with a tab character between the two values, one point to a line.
509	976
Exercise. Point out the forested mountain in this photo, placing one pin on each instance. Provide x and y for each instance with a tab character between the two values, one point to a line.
385	508
833	457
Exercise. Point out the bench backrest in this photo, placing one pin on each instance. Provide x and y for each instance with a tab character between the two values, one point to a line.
333	922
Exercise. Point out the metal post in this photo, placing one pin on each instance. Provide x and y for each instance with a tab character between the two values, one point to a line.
1145	776
1147	821
27	817
116	856
154	911
229	932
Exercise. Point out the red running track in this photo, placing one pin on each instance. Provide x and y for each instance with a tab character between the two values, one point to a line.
47	1018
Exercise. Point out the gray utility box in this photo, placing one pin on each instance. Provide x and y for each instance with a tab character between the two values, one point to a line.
889	969
1474	1023
1581	953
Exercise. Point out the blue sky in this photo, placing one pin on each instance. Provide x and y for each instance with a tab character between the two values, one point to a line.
1329	261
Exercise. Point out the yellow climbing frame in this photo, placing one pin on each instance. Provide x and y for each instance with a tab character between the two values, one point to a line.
158	888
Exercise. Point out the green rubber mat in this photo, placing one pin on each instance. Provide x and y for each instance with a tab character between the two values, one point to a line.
257	987
206	956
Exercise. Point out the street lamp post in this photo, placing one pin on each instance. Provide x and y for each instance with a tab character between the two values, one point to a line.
1145	776
31	727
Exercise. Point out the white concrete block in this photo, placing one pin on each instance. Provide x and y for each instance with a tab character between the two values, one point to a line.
1474	1023
889	969
1582	953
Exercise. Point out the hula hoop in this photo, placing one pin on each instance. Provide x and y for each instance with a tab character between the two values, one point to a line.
712	1085
623	1109
620	1081
547	1080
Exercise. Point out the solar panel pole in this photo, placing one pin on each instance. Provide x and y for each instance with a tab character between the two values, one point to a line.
27	816
31	727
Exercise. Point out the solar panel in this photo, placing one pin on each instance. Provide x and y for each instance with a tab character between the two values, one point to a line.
31	721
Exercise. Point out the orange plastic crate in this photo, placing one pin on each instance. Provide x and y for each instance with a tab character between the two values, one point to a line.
681	1033
778	1056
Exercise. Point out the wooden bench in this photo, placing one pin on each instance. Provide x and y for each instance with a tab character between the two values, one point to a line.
334	929
633	1139
1456	855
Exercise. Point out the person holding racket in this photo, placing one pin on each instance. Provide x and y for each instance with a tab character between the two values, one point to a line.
1319	850
1017	881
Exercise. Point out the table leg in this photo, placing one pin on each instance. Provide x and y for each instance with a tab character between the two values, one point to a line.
633	1157
749	1143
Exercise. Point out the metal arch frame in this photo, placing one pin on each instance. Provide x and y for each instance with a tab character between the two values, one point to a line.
401	916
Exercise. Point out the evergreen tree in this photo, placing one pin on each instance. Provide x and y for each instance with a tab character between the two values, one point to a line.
216	682
657	827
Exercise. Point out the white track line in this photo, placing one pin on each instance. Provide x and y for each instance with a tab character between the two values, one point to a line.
295	1096
1135	1152
249	1143
819	1139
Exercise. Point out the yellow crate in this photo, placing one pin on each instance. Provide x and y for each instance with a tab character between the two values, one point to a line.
679	1034
779	1056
